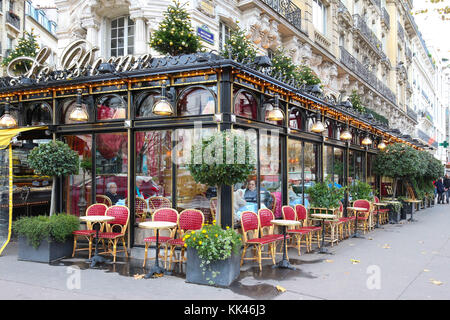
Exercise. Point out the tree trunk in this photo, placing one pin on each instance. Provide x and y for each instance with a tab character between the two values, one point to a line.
394	192
53	197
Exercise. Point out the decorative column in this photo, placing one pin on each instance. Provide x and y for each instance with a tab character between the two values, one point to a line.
140	35
92	27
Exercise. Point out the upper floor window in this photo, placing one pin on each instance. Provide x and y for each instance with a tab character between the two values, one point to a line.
122	36
224	35
319	16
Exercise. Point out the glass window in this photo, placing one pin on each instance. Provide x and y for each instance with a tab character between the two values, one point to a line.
111	106
39	114
196	101
295	172
75	186
122	36
145	102
267	107
296	119
224	35
67	107
270	172
111	162
310	166
328	162
319	16
338	166
330	129
245	104
191	195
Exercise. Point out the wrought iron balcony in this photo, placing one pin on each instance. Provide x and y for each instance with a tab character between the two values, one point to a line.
13	19
288	10
359	69
367	33
385	18
400	31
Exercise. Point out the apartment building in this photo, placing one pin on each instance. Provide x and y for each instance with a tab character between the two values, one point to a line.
11	25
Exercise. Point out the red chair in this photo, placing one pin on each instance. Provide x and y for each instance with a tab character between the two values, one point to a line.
158	202
112	236
250	224
97	209
163	214
188	220
364	215
298	232
382	212
302	216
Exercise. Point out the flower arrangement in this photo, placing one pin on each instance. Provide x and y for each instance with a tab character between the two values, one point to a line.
213	243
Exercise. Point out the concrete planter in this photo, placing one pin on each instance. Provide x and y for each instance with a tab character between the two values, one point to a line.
228	269
47	251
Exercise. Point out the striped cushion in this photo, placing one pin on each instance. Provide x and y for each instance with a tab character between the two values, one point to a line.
83	232
109	235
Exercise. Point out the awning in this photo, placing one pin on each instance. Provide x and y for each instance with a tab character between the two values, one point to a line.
7	134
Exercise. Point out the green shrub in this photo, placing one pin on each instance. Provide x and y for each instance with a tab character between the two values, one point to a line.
57	228
361	190
325	195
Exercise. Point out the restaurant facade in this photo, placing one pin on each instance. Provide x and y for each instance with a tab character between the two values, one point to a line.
124	143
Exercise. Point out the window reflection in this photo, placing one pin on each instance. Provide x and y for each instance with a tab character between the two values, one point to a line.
196	101
295	172
111	106
68	107
145	104
296	119
245	105
39	114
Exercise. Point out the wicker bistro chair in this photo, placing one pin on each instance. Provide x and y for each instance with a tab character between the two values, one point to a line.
99	198
266	228
188	220
382	212
112	235
346	223
298	233
364	216
162	214
213	206
302	216
97	209
332	227
250	224
158	202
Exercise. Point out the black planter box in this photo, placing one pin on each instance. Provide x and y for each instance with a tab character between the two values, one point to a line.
394	216
405	210
229	269
47	251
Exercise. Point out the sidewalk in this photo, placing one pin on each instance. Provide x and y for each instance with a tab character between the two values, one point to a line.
403	261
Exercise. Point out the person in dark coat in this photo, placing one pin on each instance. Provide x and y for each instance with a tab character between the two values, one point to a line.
440	190
447	186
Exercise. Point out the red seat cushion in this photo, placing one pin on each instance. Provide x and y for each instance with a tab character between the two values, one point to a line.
300	231
83	232
176	242
312	228
160	239
383	210
266	239
109	235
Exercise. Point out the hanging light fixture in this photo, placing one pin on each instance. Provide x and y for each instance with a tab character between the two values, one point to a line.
346	134
366	141
162	107
318	126
7	120
276	114
78	113
382	145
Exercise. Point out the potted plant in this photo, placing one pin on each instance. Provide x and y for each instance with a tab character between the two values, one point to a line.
54	159
325	195
361	190
213	255
406	207
45	238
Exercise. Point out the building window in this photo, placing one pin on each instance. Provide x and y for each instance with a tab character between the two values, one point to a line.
319	16
224	35
122	36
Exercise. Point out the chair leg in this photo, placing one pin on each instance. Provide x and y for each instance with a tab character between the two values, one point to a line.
90	247
74	245
124	247
243	254
259	257
145	254
114	250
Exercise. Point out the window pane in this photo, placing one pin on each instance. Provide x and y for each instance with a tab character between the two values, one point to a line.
245	105
338	166
328	162
295	171
196	101
114	23
120	22
75	185
145	104
310	170
68	107
111	106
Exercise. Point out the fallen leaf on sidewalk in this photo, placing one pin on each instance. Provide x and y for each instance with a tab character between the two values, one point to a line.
426	270
370	238
351	244
436	282
386	246
421	242
139	276
354	261
280	288
328	260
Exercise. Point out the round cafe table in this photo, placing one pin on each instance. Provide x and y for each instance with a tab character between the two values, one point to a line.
324	217
412	208
285	223
96	220
379	204
157	225
357	210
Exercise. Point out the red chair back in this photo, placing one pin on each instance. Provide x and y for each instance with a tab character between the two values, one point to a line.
191	219
97	209
288	213
301	211
159	202
166	214
120	213
362	204
249	221
265	216
376	199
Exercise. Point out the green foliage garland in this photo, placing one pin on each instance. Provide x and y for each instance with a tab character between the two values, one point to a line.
57	228
27	47
175	35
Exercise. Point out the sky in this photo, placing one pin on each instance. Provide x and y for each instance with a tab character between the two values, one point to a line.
435	31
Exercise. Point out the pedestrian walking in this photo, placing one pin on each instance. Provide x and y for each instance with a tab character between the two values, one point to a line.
447	186
440	190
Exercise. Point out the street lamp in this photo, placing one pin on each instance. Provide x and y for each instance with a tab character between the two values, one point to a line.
276	114
7	121
162	107
367	140
318	126
346	134
382	145
79	114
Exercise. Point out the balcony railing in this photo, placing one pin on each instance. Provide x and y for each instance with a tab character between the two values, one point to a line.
386	18
400	31
411	113
427	115
359	69
370	36
13	19
288	10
